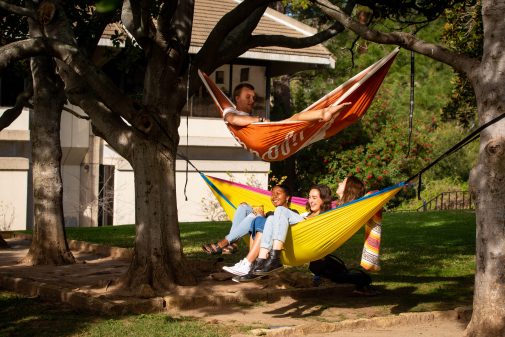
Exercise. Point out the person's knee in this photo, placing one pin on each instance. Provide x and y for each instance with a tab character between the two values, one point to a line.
281	210
244	207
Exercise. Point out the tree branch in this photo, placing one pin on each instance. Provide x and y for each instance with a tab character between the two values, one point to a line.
134	18
23	49
238	40
405	40
75	113
292	42
22	11
210	50
115	131
11	114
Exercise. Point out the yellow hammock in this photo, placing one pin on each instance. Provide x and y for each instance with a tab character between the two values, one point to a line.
313	238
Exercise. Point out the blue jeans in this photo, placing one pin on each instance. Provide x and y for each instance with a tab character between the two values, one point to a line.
276	226
241	223
257	226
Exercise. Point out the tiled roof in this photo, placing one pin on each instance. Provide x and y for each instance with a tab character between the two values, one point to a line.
208	12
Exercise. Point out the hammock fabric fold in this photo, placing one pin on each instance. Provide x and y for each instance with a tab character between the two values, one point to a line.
276	141
313	238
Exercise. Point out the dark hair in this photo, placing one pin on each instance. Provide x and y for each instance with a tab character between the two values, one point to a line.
286	190
239	87
354	189
324	194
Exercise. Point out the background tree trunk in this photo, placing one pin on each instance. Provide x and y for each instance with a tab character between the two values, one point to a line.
49	244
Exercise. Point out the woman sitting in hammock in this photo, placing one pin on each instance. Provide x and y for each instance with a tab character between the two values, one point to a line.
275	231
248	221
245	97
281	197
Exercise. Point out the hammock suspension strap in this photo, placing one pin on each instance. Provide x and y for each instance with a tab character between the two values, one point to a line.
465	141
412	74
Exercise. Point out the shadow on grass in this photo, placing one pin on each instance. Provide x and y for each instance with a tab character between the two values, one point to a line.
451	293
21	316
30	317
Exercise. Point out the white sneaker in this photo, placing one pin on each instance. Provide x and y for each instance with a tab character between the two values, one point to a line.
240	268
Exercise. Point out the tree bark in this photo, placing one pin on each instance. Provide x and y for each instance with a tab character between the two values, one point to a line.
158	262
487	181
49	244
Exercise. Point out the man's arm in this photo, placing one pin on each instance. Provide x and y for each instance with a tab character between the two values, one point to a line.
241	120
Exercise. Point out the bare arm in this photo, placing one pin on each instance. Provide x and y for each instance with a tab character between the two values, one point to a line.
240	120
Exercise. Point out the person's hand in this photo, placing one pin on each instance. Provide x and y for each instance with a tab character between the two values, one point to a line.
258	210
329	112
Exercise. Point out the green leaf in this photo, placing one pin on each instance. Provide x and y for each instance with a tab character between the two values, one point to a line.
104	6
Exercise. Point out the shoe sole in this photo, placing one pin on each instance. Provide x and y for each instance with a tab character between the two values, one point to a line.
264	273
238	280
232	271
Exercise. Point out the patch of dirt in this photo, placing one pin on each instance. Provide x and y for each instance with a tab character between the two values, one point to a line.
284	300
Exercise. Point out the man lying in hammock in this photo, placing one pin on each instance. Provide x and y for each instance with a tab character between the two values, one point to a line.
245	97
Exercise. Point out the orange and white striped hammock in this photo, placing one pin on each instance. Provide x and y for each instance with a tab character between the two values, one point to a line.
276	141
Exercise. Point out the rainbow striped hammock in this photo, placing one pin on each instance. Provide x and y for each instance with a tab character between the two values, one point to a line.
275	141
313	238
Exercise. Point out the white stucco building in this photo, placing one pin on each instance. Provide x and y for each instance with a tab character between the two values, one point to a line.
98	183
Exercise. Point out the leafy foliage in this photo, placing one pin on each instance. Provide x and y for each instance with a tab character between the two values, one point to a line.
374	149
463	32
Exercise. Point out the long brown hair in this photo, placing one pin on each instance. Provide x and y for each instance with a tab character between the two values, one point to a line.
324	194
354	189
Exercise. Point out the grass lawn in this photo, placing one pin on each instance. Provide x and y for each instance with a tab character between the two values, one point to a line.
21	316
428	262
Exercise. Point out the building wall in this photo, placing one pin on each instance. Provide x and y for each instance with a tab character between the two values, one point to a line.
16	202
71	194
14	193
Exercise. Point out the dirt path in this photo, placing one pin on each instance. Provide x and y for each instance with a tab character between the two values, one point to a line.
284	311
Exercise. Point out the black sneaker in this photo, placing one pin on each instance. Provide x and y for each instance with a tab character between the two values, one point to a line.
257	265
246	278
271	265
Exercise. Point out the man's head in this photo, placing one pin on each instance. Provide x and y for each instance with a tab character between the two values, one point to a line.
244	97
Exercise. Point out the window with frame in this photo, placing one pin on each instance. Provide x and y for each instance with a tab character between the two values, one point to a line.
244	75
219	77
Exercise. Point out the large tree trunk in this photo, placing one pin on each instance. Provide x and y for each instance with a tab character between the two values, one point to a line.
158	262
488	183
49	244
488	186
